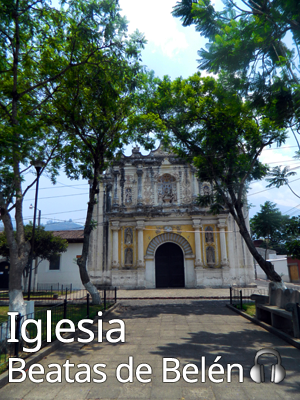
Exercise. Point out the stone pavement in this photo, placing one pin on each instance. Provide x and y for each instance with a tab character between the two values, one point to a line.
184	329
173	293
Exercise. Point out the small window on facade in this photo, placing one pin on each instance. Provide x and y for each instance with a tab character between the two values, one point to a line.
54	262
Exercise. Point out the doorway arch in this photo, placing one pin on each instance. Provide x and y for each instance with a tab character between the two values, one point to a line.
169	266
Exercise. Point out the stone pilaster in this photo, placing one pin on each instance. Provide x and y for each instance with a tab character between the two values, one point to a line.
115	227
197	228
139	172
222	227
116	199
194	184
140	226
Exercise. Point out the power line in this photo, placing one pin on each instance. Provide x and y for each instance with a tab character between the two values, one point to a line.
291	209
56	213
54	197
265	190
59	187
279	148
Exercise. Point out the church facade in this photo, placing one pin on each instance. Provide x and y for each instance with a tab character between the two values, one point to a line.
152	234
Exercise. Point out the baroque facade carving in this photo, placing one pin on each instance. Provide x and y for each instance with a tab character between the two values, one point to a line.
149	202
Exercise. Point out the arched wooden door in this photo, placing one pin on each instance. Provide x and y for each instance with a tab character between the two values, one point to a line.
169	266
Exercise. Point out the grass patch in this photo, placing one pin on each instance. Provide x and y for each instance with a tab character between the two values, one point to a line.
3	313
248	309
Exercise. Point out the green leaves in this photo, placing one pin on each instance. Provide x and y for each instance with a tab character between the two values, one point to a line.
213	128
279	231
46	244
248	42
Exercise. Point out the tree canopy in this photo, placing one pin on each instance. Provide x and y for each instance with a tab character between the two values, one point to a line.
280	232
271	225
255	47
93	108
39	45
217	131
46	244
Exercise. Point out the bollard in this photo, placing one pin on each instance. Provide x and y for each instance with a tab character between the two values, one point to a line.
18	323
65	310
241	300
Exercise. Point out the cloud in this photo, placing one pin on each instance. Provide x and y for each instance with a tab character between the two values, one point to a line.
156	21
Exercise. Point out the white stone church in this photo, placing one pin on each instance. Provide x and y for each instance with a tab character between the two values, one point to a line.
152	234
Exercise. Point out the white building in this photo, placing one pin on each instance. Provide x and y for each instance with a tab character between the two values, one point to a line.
62	269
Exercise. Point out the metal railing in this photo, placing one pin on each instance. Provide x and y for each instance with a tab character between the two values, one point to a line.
54	296
67	308
240	296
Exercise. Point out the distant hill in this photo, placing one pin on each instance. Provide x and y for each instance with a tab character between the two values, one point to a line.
62	226
54	226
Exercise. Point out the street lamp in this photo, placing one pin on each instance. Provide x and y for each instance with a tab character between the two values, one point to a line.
36	259
38	164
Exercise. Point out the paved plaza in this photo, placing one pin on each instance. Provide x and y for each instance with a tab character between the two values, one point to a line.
182	329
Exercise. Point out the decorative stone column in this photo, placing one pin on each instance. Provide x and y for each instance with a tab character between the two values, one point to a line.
222	226
140	226
194	185
122	182
116	199
139	172
198	227
115	227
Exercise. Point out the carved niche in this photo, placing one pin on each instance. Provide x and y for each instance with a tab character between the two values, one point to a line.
206	190
210	256
167	189
128	196
209	235
128	236
128	257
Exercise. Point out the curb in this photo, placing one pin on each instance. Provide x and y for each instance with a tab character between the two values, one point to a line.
176	298
44	352
269	328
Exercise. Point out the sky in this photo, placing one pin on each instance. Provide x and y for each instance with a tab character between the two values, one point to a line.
171	50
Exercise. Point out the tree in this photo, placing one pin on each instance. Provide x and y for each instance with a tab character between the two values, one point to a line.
218	132
39	44
46	245
92	107
248	42
271	225
280	177
280	232
293	245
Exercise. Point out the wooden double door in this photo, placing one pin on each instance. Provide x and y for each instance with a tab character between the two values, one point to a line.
169	266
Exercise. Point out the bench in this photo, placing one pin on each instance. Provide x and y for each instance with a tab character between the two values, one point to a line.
280	309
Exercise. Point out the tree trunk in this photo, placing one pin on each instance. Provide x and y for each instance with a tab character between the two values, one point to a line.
266	266
82	261
18	254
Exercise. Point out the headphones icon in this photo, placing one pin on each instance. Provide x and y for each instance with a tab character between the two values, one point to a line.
257	373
